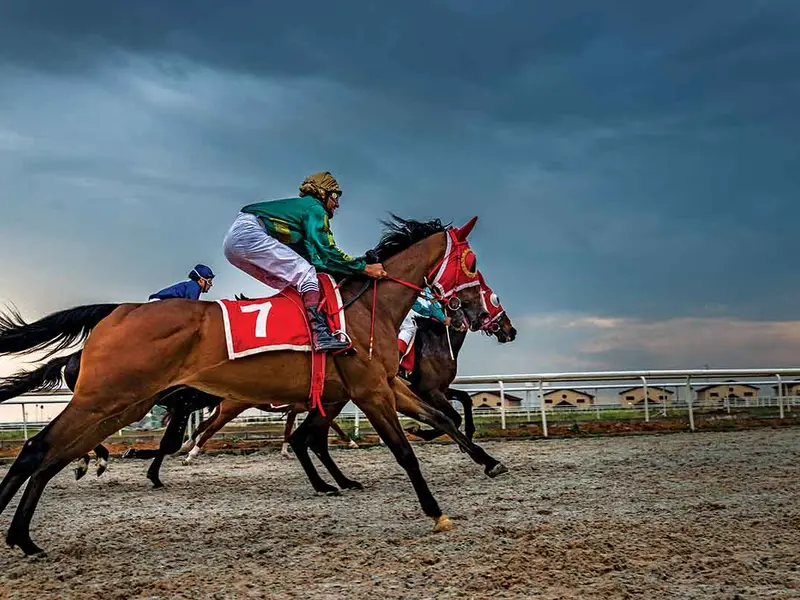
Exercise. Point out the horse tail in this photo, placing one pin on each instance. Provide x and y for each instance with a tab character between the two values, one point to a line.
55	332
45	378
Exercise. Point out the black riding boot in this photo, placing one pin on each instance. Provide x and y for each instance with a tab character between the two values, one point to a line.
322	337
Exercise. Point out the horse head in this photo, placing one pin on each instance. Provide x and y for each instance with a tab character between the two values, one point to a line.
497	322
456	277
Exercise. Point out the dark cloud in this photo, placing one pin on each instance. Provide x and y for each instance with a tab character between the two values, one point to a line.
628	158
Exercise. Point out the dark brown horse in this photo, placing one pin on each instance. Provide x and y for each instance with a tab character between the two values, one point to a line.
437	362
139	350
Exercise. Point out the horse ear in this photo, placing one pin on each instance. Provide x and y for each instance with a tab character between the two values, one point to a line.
464	231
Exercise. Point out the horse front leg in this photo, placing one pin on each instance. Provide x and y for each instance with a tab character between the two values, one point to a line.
379	408
410	405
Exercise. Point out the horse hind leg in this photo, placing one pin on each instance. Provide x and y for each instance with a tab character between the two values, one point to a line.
170	443
189	444
82	468
19	531
27	462
101	454
55	447
301	440
223	414
287	433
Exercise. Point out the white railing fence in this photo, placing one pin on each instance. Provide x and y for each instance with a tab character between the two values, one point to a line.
682	383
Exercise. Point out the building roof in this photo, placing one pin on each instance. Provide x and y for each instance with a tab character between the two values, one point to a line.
561	391
497	395
787	384
649	387
726	384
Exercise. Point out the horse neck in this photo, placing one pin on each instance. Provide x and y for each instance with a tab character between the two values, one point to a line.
411	266
437	368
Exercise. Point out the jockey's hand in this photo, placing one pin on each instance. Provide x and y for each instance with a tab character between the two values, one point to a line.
375	271
447	321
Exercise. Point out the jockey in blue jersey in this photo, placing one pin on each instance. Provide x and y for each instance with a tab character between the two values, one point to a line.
426	307
200	281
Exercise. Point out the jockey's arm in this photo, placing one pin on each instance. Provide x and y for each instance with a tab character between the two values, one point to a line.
429	308
323	252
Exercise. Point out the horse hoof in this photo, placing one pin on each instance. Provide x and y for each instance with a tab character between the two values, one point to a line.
352	485
496	470
352	445
79	472
27	546
102	465
333	493
286	455
443	524
157	485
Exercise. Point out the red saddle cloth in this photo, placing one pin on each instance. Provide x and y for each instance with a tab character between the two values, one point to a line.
280	323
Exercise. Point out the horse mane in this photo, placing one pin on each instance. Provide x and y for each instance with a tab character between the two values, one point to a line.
400	234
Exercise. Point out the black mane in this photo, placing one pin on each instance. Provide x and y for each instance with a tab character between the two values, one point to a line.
400	234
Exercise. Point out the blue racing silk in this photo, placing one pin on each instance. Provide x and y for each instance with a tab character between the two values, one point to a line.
185	289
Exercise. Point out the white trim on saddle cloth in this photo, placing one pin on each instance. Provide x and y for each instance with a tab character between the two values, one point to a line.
327	287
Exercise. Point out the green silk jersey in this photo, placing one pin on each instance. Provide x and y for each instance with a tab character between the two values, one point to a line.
303	225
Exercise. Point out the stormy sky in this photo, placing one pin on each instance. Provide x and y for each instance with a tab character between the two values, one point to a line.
634	164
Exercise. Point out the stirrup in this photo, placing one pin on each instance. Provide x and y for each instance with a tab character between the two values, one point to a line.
342	334
334	344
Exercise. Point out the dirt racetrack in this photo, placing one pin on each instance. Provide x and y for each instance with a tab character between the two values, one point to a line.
709	515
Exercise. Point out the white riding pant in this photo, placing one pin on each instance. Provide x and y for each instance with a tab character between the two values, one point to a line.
249	247
408	327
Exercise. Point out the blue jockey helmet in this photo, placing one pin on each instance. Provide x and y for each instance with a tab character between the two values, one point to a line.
201	271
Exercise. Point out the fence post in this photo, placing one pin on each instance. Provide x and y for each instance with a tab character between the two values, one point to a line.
528	400
24	421
541	408
502	405
780	394
646	401
596	405
689	402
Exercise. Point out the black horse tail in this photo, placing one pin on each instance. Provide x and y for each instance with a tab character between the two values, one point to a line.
56	331
45	378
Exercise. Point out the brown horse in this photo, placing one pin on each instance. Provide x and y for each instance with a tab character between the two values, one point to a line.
139	350
435	368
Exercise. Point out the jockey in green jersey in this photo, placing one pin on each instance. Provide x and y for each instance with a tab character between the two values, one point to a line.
283	243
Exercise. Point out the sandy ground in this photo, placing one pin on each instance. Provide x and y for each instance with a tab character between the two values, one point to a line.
709	515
